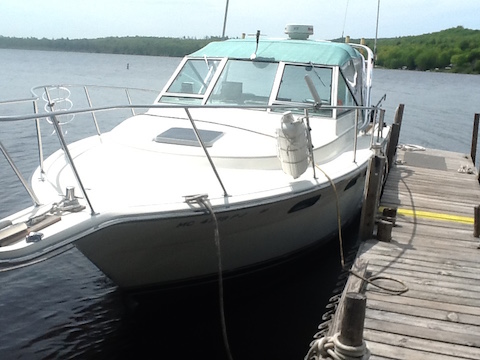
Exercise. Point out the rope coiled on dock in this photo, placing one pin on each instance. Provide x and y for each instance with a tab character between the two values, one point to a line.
410	147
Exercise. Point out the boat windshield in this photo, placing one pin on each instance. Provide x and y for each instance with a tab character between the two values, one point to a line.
247	82
244	82
192	81
294	87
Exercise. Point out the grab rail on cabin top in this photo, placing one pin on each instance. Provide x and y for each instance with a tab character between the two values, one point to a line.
53	116
368	70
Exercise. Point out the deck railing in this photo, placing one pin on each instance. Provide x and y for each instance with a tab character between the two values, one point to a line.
53	114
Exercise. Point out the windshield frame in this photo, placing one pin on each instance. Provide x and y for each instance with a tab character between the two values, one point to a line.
239	83
190	98
205	98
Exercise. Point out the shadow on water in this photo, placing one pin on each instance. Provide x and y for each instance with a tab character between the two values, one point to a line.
271	314
65	308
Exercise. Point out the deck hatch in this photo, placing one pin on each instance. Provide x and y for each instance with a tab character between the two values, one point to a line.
185	136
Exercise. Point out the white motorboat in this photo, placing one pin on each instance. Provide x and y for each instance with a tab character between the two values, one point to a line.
253	151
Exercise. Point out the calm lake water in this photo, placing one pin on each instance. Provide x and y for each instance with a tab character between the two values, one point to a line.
65	308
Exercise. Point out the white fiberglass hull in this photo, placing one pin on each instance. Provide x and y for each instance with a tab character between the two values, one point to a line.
138	253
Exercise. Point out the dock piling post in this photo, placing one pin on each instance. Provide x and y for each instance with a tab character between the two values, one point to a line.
476	221
349	343
384	230
394	136
373	187
473	149
351	329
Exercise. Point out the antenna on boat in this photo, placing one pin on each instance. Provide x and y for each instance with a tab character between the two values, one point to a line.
225	21
254	55
376	34
345	20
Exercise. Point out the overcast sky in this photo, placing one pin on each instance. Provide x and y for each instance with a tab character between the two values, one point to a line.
76	19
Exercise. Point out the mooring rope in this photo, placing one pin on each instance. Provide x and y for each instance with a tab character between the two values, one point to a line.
202	200
331	348
369	280
339	219
410	147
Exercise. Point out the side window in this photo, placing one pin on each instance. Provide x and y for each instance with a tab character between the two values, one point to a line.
344	96
293	87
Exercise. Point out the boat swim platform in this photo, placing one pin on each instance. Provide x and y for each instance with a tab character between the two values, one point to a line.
430	250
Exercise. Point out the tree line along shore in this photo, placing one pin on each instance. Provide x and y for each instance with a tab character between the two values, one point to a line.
453	50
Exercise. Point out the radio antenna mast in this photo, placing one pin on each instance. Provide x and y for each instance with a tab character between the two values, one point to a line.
345	20
225	21
376	34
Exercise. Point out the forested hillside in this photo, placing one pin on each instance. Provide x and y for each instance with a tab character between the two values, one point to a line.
455	50
136	45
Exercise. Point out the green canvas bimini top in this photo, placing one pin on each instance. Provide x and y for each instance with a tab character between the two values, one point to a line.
302	51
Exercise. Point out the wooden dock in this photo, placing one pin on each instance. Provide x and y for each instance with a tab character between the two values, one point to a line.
433	251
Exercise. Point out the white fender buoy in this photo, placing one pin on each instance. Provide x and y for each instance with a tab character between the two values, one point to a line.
292	144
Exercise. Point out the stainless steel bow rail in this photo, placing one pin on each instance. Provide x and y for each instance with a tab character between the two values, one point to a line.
371	115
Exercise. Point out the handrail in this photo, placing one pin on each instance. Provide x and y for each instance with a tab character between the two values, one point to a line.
41	87
15	101
39	139
56	124
355	138
54	114
19	175
199	139
129	101
168	106
368	69
9	159
93	112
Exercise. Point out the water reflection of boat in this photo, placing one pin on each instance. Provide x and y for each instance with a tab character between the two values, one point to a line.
244	157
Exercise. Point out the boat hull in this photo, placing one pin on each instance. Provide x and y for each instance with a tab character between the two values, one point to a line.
156	252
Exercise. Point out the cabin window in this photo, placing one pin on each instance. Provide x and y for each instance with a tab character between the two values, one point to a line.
244	82
352	72
344	95
293	87
194	77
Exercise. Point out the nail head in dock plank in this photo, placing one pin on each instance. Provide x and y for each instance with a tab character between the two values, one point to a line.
434	252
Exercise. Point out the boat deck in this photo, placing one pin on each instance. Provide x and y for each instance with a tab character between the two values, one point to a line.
434	252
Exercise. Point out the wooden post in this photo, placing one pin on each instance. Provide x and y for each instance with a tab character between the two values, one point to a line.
394	135
373	185
473	150
354	284
399	114
390	214
351	330
476	221
384	230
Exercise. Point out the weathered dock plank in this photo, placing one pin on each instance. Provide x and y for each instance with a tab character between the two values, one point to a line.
425	303
440	201
450	270
434	253
417	348
427	312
